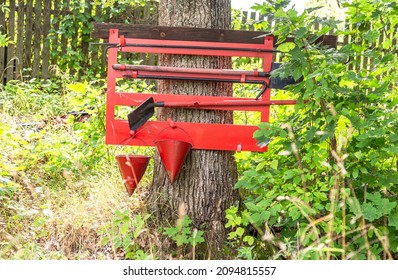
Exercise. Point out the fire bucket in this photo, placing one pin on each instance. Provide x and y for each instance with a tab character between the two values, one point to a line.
132	168
173	154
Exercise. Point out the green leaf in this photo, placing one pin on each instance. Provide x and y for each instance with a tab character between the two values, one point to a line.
240	231
370	212
249	239
383	205
286	47
171	231
289	174
347	83
79	88
294	213
117	242
232	235
310	133
104	241
393	219
387	43
372	36
261	165
124	228
301	33
251	206
355	173
274	164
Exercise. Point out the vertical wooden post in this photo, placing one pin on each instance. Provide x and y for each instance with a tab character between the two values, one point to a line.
11	47
27	61
37	39
20	40
73	41
64	39
46	41
95	54
2	49
56	16
88	9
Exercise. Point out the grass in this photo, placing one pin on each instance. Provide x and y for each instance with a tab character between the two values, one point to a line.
59	194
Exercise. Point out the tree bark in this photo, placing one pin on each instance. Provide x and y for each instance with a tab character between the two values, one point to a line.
205	183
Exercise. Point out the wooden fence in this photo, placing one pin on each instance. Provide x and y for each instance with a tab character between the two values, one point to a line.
48	35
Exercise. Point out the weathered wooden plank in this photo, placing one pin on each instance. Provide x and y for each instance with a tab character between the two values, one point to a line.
2	49
85	37
94	54
45	56
101	30
20	40
28	35
55	15
37	39
11	47
64	39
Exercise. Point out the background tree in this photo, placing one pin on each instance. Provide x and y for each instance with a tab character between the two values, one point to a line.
204	187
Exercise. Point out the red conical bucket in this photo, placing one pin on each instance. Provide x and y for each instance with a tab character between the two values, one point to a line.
132	169
173	154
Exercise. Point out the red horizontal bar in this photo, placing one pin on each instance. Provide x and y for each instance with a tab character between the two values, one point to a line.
200	135
201	44
192	52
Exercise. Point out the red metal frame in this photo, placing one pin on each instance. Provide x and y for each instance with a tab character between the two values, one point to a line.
200	135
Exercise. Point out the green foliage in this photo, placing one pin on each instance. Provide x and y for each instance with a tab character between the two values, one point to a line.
44	140
184	234
123	234
75	27
4	39
53	155
326	189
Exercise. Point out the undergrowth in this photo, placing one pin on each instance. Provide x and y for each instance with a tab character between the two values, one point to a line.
327	187
59	182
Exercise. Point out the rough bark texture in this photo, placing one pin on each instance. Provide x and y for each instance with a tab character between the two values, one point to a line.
205	184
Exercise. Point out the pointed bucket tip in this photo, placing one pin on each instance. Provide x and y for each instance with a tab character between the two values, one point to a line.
173	154
132	168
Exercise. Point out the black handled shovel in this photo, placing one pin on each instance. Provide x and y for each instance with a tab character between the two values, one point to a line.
147	109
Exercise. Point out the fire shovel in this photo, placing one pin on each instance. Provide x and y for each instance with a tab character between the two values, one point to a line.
147	109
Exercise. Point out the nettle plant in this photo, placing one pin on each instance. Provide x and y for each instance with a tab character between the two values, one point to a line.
327	187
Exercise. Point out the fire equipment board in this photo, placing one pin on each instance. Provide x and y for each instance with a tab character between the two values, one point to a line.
201	135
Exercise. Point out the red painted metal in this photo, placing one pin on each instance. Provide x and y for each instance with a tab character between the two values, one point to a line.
132	168
172	153
199	135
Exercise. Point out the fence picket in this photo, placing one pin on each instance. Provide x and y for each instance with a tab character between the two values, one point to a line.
46	40
11	47
19	42
27	56
2	49
37	40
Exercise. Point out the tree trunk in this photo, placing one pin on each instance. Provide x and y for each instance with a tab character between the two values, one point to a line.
205	183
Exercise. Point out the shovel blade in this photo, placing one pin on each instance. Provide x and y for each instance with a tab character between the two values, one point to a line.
279	83
141	114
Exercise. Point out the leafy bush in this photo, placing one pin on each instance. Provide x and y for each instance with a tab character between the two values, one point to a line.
123	234
327	187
